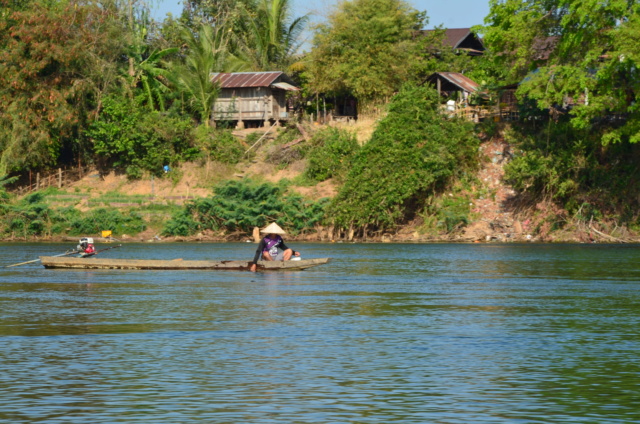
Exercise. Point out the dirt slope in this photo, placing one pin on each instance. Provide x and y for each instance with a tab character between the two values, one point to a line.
492	221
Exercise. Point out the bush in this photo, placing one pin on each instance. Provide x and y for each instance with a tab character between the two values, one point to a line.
77	223
29	217
135	140
414	153
572	168
331	155
243	205
219	145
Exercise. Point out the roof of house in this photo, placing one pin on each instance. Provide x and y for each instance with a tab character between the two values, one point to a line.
459	80
461	38
254	79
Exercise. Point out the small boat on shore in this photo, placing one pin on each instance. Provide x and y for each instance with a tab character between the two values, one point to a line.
56	262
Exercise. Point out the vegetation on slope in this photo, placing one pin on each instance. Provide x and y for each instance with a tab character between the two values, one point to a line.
414	154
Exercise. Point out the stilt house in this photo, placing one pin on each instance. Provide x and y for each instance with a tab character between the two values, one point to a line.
251	99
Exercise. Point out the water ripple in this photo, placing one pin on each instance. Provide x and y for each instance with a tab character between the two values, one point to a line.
383	334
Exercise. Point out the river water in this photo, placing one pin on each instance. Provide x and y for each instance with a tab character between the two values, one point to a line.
385	333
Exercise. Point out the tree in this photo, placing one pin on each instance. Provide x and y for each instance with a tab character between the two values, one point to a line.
146	69
207	54
272	39
55	62
368	49
214	12
590	61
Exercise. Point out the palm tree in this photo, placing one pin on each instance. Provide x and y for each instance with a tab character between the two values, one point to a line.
207	54
272	39
145	69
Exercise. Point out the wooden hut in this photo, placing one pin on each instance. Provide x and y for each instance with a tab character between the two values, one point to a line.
251	99
457	89
453	85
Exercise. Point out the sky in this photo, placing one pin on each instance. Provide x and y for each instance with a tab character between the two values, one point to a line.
449	13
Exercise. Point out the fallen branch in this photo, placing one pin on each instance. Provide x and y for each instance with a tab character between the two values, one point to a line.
302	131
260	139
292	143
607	236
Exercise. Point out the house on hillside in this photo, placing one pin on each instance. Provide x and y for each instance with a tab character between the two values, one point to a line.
461	40
252	99
453	86
457	90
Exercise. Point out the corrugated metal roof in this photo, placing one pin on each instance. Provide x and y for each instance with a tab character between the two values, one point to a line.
285	86
246	79
462	81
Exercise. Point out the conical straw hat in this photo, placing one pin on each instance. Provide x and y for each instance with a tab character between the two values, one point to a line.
272	228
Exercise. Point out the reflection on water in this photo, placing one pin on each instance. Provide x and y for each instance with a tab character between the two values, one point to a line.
382	334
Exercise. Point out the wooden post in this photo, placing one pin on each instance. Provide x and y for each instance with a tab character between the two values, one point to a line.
59	177
38	181
324	106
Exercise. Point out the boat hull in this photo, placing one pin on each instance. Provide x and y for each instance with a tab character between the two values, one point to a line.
53	262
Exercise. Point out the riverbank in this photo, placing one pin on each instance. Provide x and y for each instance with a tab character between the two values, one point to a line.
495	214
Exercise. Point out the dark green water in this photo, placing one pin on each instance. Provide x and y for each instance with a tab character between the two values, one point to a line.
383	334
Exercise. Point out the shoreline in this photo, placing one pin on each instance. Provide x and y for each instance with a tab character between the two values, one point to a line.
314	238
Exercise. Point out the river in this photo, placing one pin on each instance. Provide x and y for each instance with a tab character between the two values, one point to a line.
385	333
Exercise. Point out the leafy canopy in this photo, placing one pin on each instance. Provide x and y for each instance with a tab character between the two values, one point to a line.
367	49
55	62
271	38
583	52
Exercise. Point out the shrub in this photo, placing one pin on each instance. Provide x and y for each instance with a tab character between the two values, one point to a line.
331	155
219	145
243	205
413	153
93	222
135	140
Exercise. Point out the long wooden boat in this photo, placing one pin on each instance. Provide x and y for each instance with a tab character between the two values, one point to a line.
175	264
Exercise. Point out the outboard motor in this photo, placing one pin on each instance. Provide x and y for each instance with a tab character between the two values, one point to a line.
85	242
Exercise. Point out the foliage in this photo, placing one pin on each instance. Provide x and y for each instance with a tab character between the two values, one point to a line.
272	37
367	49
243	205
4	195
572	168
219	145
207	54
212	12
146	70
135	140
97	220
331	155
584	56
452	212
32	216
428	151
56	60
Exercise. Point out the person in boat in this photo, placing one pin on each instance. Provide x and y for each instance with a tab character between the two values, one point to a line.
272	247
86	248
